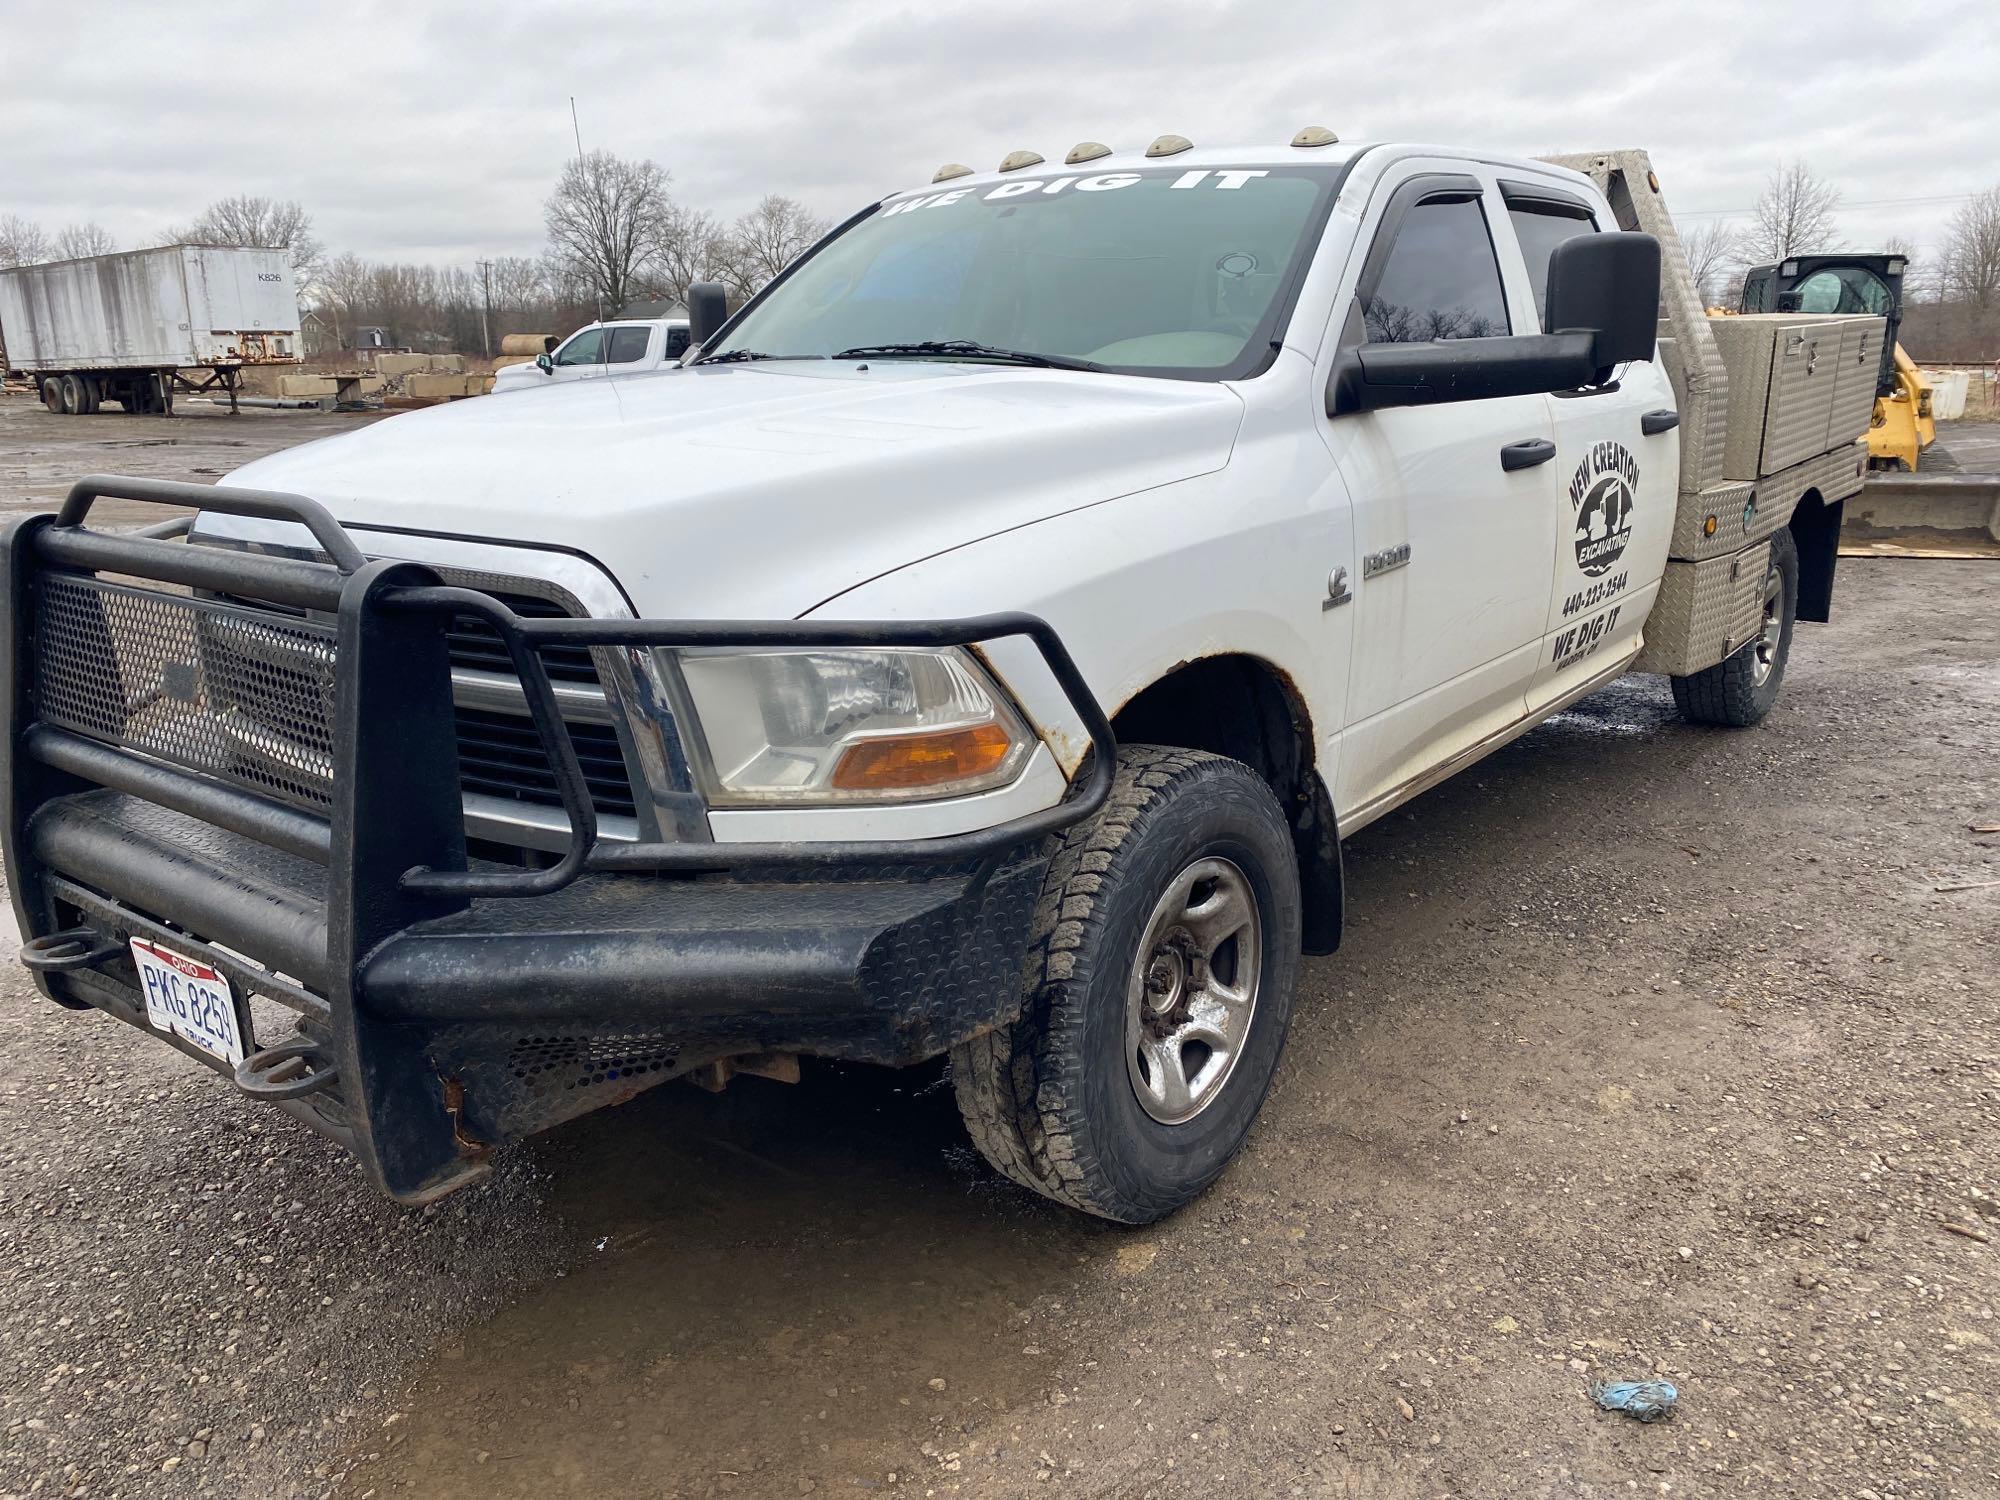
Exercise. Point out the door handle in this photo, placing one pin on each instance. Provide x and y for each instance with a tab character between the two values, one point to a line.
1526	454
1653	423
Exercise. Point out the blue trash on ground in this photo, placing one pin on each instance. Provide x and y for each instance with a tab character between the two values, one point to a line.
1648	1400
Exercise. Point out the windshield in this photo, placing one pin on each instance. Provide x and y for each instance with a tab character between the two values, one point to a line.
1182	272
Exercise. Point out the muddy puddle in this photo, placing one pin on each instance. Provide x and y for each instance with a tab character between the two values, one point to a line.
798	1290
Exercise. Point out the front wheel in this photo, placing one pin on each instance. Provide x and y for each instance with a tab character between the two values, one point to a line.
1159	992
1739	690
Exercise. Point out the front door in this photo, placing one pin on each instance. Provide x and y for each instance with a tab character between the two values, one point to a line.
582	357
1455	542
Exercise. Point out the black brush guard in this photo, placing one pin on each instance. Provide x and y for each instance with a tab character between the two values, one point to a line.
444	1004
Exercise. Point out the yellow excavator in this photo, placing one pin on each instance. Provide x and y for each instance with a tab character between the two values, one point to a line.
1845	282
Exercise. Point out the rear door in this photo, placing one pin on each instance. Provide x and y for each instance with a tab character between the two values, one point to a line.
627	348
1613	483
1456	550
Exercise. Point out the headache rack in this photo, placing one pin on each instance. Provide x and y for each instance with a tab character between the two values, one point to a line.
154	690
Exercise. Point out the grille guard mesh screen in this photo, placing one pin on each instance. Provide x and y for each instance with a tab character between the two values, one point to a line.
243	696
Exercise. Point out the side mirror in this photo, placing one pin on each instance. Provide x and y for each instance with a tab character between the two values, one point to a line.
1607	285
708	310
1369	377
545	364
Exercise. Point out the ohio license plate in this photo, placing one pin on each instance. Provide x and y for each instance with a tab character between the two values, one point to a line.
190	1000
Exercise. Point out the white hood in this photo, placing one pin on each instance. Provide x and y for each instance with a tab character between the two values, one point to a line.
760	491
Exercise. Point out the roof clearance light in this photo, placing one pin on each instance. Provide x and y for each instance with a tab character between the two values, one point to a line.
950	170
1315	135
1016	160
1084	151
1170	145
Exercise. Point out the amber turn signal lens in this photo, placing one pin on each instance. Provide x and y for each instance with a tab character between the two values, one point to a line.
923	758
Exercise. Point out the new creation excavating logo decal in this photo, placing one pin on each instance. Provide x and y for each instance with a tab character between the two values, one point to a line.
1601	493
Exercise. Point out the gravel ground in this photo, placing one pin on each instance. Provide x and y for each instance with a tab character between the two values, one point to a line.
1650	1050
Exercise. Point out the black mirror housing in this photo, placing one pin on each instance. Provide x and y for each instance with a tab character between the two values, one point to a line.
708	310
1370	377
1607	285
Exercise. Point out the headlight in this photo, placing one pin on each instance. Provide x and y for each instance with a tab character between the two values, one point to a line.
891	724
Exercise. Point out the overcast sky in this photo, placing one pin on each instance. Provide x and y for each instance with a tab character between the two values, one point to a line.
433	129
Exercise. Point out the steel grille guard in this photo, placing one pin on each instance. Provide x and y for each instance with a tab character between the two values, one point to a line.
377	600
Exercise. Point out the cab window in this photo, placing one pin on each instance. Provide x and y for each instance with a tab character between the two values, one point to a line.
628	346
677	342
1441	279
587	348
1844	289
1540	226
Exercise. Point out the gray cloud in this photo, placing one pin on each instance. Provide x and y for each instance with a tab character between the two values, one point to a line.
433	130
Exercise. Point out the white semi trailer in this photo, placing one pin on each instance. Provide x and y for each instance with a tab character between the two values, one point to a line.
137	326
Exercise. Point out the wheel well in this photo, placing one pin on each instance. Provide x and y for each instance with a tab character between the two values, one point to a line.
1816	532
1247	709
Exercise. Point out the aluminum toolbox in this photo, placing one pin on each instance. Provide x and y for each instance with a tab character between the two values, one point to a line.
1792	390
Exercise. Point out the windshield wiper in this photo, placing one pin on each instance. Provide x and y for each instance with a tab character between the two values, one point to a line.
732	356
967	349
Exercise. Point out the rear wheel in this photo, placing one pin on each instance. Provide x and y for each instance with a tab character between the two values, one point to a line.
92	393
1739	691
1159	991
52	394
72	395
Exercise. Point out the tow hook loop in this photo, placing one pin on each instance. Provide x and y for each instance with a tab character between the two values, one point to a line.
72	948
290	1070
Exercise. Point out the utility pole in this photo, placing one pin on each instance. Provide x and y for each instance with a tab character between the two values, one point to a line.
577	130
485	305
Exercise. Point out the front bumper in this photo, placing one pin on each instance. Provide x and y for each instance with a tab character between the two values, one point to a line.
443	1005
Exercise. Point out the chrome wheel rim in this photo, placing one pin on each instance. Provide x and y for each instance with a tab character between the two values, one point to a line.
1193	990
1766	654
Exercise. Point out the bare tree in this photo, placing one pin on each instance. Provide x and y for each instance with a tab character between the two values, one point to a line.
1794	215
1971	261
266	223
768	238
692	247
80	240
1714	257
605	221
23	243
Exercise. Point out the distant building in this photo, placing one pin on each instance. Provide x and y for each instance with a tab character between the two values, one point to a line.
317	335
368	336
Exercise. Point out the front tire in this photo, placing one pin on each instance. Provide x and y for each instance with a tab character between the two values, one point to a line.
1739	690
1166	949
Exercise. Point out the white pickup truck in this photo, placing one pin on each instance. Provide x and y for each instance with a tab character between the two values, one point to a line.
600	351
980	646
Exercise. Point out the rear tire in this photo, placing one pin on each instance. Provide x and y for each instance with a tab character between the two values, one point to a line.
1739	690
1166	950
52	394
72	395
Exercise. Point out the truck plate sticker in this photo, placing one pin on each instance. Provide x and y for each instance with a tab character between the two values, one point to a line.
1579	641
1601	493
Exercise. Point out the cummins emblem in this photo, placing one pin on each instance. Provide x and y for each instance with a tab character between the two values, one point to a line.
1601	494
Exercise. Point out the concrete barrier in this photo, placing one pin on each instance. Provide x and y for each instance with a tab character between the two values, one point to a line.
1898	504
